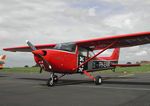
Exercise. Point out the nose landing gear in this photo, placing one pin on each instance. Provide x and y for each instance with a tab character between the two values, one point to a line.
50	81
53	79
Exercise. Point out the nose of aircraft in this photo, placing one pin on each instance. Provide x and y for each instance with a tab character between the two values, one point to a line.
36	52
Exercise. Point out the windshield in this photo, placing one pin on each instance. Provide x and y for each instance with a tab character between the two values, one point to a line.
70	47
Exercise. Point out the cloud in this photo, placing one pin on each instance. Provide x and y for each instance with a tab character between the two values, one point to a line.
92	11
53	21
127	2
141	53
121	21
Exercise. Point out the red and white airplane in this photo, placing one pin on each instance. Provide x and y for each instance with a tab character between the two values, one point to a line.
2	58
78	57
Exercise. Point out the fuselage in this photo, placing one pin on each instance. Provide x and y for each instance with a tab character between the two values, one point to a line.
64	58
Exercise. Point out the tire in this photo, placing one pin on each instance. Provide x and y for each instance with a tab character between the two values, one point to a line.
50	82
98	80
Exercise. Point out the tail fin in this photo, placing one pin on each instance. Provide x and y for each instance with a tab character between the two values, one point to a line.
3	57
115	54
113	57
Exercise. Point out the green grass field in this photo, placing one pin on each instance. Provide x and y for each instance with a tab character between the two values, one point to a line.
142	68
23	69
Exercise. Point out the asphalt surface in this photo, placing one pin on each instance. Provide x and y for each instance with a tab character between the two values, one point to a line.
29	89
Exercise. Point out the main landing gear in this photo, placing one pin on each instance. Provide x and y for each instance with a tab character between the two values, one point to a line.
53	79
97	79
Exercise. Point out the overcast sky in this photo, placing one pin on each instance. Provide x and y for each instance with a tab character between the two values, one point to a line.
54	21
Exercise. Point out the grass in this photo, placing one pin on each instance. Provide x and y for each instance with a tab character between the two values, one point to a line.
22	69
142	68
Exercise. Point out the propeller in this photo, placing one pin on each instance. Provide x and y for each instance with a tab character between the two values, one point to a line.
34	51
31	46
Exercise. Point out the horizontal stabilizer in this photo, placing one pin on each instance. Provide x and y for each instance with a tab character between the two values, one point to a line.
126	65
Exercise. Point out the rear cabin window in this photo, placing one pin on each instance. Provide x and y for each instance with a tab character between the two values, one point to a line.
85	52
70	47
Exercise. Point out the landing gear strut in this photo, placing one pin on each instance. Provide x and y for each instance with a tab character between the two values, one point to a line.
53	79
97	79
50	81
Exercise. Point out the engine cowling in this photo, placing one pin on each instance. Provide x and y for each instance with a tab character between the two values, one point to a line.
60	61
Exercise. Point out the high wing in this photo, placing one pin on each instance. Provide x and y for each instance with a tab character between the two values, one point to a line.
100	43
122	41
28	49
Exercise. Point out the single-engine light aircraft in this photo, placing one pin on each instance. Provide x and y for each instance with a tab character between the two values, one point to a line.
2	58
78	57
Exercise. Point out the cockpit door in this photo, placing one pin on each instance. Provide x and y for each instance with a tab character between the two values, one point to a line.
82	56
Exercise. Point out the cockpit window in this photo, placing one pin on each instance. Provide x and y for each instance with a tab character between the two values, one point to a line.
70	47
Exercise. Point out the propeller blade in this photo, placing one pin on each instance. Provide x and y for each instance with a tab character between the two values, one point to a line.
30	45
48	65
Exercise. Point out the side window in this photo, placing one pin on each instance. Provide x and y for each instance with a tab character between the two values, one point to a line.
90	54
83	52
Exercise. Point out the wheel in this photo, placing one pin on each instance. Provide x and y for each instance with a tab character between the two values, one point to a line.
55	78
50	82
98	80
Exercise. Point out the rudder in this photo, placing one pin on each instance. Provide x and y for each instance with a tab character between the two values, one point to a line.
115	54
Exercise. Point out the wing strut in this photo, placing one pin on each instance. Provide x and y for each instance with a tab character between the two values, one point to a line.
85	72
96	54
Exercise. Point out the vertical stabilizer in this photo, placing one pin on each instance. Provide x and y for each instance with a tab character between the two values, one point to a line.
2	58
113	57
115	54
